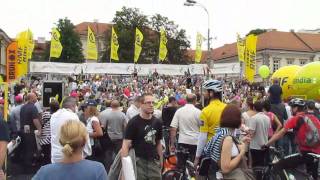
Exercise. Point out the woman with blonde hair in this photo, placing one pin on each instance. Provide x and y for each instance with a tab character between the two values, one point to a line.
73	137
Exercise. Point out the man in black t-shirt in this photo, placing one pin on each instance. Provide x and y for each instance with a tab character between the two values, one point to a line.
144	133
4	139
275	92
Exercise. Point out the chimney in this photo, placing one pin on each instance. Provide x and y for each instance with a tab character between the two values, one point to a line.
291	30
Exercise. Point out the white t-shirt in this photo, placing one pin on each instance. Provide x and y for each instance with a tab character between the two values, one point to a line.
187	121
132	111
57	120
90	128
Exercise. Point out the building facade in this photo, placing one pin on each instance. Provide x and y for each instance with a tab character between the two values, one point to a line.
275	49
4	42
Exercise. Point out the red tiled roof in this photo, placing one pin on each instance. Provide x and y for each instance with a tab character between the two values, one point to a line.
101	28
276	40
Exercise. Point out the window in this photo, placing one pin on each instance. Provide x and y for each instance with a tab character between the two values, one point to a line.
276	64
290	61
303	62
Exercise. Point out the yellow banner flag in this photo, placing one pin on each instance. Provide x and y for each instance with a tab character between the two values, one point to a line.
138	45
250	57
30	44
22	63
114	45
198	54
241	46
92	52
55	47
163	45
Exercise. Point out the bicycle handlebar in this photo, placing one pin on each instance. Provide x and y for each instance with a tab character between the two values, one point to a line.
317	156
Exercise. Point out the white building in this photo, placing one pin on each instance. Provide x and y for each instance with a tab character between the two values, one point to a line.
4	42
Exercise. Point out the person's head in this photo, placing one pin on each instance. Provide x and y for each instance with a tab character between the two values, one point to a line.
147	101
115	104
70	103
18	99
107	103
191	98
54	106
267	105
172	101
213	89
249	102
31	98
311	105
73	137
258	106
137	101
297	105
231	117
91	108
276	81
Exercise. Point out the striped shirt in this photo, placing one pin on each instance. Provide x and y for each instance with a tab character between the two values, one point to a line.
45	132
213	147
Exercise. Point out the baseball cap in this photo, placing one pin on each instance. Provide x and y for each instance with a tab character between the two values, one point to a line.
18	98
91	102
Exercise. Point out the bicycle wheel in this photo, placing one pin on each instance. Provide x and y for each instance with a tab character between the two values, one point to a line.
172	175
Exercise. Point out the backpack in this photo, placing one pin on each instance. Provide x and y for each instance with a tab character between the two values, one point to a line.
312	138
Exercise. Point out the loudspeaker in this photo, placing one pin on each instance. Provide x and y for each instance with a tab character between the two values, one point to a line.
51	89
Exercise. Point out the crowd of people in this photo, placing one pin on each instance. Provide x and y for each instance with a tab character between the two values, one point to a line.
226	126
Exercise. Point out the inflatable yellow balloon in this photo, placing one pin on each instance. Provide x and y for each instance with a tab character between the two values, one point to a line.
306	83
286	75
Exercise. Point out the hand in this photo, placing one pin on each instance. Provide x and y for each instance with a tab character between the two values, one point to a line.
172	148
246	139
196	162
264	147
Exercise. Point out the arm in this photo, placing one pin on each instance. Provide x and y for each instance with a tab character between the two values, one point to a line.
97	130
228	164
3	151
160	151
277	136
37	124
173	133
126	145
278	123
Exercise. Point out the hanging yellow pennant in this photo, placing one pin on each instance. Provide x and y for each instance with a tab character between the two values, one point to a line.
92	52
114	45
250	57
163	45
198	54
55	47
22	53
241	45
137	45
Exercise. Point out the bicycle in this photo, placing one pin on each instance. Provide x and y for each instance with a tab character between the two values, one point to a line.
282	167
186	172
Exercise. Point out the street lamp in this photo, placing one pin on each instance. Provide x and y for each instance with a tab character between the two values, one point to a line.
195	3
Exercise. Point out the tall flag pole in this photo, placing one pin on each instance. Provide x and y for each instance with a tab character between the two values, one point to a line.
137	45
114	46
163	45
198	54
92	53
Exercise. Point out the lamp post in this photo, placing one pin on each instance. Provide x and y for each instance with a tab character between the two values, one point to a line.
195	3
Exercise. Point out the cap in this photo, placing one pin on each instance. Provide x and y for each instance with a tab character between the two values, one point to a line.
91	102
74	94
1	101
182	102
18	98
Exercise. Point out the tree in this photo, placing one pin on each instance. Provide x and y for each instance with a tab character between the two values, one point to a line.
257	31
70	40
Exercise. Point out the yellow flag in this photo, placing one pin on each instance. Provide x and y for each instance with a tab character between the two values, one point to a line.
163	45
114	45
138	45
55	47
198	54
92	52
30	44
250	57
22	63
241	45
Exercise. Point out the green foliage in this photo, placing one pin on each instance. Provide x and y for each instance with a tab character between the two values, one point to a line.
257	31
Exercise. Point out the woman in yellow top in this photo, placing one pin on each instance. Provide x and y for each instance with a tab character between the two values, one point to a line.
210	115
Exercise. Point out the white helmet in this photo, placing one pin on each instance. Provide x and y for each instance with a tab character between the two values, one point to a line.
214	85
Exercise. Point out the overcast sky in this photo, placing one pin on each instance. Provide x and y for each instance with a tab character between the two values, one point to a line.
227	17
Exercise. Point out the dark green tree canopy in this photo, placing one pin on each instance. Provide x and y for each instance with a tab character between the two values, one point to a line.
257	31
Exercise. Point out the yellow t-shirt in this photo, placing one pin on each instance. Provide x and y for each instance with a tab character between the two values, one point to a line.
210	117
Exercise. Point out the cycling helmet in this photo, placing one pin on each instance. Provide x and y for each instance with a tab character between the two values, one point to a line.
214	85
297	102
